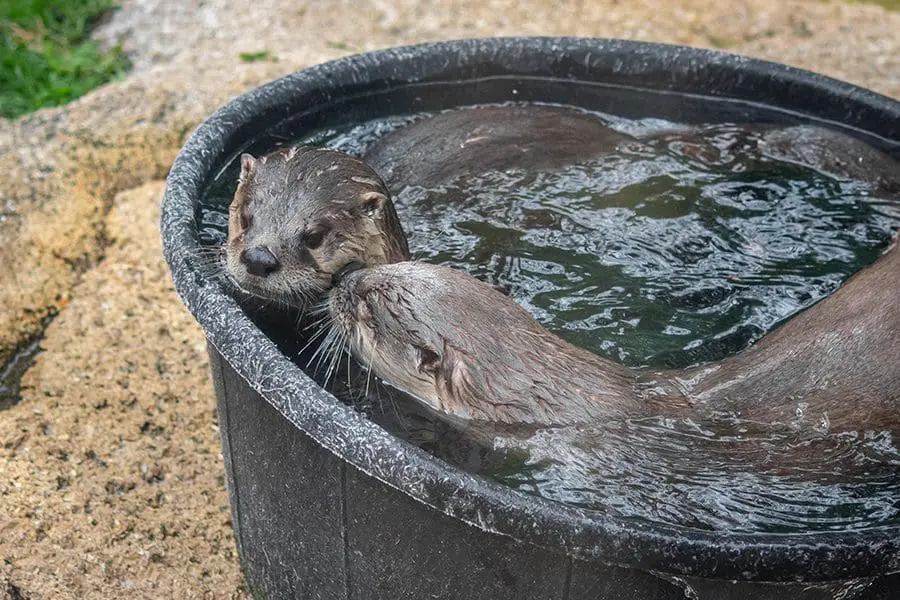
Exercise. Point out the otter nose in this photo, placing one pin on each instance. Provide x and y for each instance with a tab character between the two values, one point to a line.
260	261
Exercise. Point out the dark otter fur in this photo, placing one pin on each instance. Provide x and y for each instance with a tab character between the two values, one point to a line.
472	353
834	153
301	214
437	149
838	361
828	151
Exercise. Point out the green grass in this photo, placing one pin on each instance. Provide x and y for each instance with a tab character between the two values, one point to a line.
46	57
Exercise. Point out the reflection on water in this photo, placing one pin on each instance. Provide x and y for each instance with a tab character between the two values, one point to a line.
657	255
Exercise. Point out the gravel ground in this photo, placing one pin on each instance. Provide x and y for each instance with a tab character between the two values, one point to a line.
111	481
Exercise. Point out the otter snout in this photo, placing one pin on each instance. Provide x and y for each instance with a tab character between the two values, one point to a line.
260	261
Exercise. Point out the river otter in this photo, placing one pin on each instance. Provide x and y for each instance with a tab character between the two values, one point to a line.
826	150
472	353
435	150
301	214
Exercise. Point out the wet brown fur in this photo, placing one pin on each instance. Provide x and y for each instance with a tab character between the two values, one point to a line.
284	196
435	150
472	353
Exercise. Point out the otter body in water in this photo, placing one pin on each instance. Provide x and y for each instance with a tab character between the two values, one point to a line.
474	354
838	361
468	141
301	215
831	152
468	351
471	352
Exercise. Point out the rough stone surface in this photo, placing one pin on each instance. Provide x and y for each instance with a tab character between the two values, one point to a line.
111	482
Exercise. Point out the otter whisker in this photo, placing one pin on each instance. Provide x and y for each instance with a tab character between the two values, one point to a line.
320	326
298	322
369	366
335	357
209	262
312	339
325	319
225	279
210	258
395	408
210	249
323	350
342	354
237	287
320	309
349	359
333	353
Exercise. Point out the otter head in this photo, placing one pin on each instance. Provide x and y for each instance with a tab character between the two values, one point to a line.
372	309
300	215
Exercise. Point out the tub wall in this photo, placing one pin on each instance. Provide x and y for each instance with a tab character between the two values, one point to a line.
308	525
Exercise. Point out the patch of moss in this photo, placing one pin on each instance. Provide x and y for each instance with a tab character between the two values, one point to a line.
888	4
721	42
255	56
46	56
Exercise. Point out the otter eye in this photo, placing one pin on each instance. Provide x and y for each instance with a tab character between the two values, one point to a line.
314	237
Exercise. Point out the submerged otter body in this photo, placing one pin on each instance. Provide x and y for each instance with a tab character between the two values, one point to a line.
472	353
469	141
836	154
825	150
838	362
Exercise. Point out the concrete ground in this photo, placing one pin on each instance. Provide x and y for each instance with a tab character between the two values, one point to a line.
111	480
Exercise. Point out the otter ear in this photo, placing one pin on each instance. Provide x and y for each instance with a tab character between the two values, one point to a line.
429	361
373	203
460	388
248	164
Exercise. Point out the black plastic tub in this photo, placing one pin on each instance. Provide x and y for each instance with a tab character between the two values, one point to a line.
328	505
